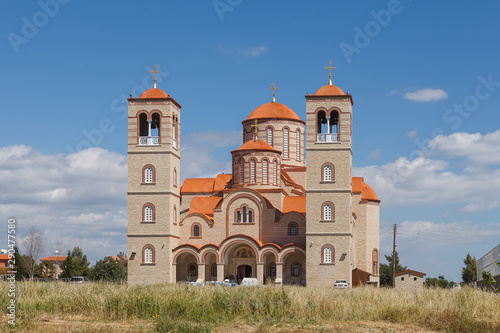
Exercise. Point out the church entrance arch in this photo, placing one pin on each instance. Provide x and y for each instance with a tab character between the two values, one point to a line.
241	262
186	267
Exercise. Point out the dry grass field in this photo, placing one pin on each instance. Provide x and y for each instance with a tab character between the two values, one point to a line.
92	307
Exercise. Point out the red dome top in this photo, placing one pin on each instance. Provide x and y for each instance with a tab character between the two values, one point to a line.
256	145
273	110
154	93
329	90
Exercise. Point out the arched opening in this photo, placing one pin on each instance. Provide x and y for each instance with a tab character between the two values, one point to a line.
327	126
241	262
293	229
143	125
269	267
293	268
155	125
210	267
186	267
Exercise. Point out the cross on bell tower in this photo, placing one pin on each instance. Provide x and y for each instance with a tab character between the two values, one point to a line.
154	71
330	75
274	89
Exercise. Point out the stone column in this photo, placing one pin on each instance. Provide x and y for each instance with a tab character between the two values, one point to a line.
201	273
220	272
260	273
279	273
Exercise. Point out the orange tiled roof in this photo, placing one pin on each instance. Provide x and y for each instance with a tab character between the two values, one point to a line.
116	258
221	182
273	110
4	256
154	93
54	258
204	205
367	193
198	185
329	90
256	145
294	204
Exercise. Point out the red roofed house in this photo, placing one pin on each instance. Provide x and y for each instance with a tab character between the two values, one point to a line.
57	261
271	218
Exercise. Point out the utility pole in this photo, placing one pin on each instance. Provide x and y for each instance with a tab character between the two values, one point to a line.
394	259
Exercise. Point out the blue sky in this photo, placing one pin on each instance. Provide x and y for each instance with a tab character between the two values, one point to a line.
424	77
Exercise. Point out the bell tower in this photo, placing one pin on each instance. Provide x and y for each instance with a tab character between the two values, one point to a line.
153	185
329	228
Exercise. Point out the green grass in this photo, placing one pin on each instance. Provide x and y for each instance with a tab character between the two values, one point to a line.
183	308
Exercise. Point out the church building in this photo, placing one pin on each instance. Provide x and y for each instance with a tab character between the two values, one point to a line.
290	212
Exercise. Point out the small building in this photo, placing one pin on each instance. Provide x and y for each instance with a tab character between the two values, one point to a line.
409	279
57	261
489	263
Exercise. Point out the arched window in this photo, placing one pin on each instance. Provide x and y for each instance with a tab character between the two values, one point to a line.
297	148
192	271
238	216
285	143
143	126
175	177
148	255
375	261
328	254
174	215
213	269
148	174
174	131
275	172
328	213
148	213
296	269
328	172
155	127
252	171
272	270
196	230
270	136
293	229
242	172
265	164
250	216
244	214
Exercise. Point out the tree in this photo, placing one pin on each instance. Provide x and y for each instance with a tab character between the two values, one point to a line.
76	264
108	269
489	279
34	246
440	282
469	272
386	270
19	266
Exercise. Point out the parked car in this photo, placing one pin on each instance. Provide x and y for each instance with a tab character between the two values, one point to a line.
78	279
341	284
457	286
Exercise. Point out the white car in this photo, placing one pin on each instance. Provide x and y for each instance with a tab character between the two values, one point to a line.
341	284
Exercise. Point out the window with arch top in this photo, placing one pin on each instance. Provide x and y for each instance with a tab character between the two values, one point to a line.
265	165
196	230
296	269
297	148
242	172
148	254
252	171
148	174
293	229
148	213
270	136
328	173
328	254
285	143
328	213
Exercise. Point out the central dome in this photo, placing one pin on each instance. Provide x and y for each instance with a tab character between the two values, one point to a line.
273	110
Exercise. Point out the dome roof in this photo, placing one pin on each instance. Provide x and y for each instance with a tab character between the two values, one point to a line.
256	145
329	90
273	110
154	93
368	193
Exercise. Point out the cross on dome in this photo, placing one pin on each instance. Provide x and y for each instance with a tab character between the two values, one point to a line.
154	71
274	96
330	76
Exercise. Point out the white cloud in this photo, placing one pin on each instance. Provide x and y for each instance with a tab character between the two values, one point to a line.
393	92
376	155
477	148
78	198
412	134
426	95
250	52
